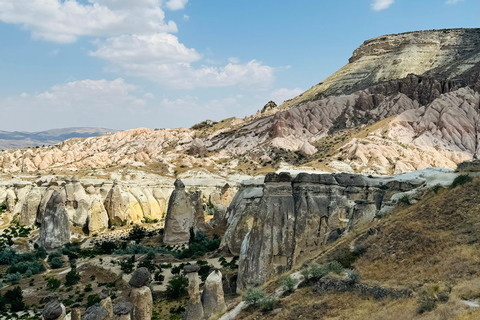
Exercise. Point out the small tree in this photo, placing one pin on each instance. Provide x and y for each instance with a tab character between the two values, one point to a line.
14	298
177	287
53	284
72	277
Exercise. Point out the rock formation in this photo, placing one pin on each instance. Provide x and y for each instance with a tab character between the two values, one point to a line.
240	215
297	216
54	310
185	213
96	312
54	228
122	310
141	295
194	310
213	299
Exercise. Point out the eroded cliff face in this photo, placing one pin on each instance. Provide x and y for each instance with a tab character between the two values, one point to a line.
448	54
95	204
297	216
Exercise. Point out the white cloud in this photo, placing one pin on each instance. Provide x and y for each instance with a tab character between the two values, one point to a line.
65	21
87	102
280	95
453	1
160	48
176	4
378	5
163	59
186	17
234	60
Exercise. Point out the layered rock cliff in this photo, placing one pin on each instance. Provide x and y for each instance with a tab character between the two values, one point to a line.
295	217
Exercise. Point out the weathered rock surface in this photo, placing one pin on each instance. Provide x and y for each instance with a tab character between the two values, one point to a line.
55	228
54	310
213	299
142	301
194	310
297	216
185	213
240	216
141	277
96	312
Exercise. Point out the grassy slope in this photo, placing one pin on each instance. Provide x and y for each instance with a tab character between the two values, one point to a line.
432	244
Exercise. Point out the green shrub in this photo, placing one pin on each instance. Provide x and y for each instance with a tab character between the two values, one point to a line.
92	299
426	304
405	200
53	284
72	277
127	265
317	271
177	287
56	263
460	180
335	267
158	277
253	296
41	253
137	233
288	283
436	188
268	304
88	288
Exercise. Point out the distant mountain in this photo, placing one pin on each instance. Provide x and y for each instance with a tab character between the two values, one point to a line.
23	139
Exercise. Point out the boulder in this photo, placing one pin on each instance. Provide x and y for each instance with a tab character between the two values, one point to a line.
28	213
97	219
213	299
54	228
141	277
54	310
96	312
117	205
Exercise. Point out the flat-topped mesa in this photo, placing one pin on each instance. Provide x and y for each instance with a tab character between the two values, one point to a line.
448	54
295	217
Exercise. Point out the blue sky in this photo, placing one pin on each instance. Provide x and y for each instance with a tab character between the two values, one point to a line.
171	63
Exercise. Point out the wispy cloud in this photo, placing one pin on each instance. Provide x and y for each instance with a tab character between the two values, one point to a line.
453	1
378	5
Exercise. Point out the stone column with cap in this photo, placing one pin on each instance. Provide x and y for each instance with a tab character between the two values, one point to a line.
213	299
54	309
122	310
180	216
141	295
194	310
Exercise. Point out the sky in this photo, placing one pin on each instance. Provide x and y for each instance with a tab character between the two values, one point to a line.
123	64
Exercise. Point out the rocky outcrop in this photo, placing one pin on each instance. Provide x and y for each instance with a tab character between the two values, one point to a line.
54	228
54	310
442	54
122	310
240	215
297	216
141	295
194	310
213	299
184	214
96	312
